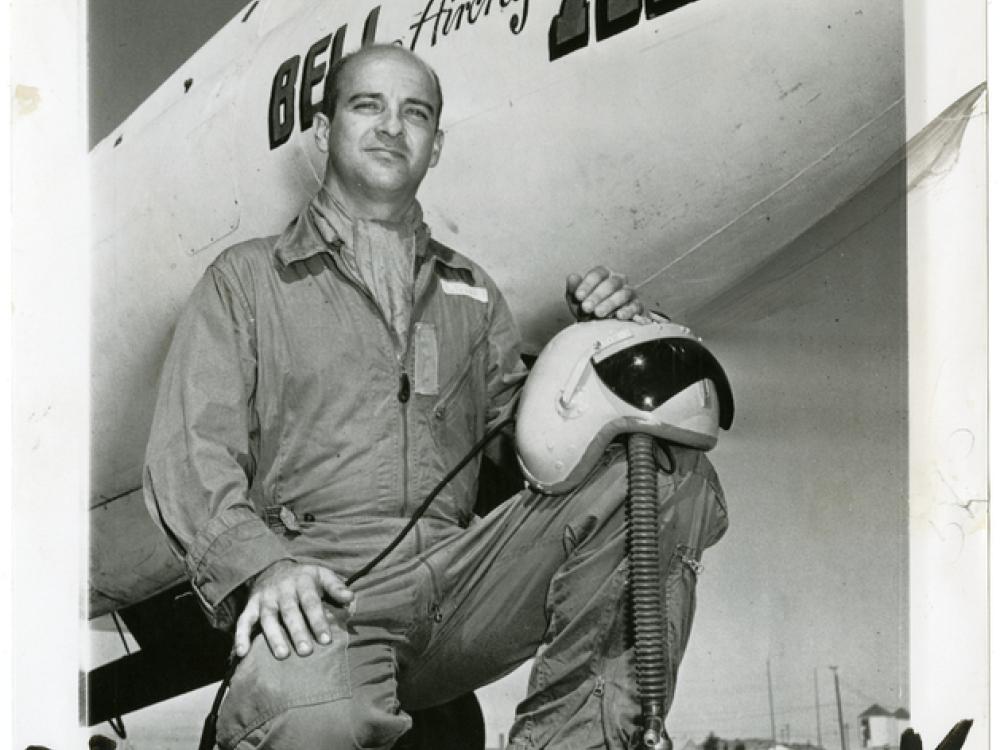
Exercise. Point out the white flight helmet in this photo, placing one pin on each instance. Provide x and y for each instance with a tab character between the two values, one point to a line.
603	378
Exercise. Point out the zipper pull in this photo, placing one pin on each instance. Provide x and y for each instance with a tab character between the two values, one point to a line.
404	387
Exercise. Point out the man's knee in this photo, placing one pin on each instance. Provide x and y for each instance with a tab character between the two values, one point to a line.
343	724
307	702
693	506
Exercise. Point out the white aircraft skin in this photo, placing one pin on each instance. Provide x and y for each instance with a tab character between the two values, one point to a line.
684	150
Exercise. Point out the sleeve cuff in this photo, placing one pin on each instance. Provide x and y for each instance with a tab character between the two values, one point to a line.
233	547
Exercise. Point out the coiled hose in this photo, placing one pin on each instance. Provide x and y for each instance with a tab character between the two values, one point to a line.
646	590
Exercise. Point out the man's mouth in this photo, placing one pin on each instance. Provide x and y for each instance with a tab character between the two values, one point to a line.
386	151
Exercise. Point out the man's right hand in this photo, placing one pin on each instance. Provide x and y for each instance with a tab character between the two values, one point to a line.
286	596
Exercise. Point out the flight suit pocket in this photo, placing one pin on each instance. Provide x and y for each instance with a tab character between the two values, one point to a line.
453	416
457	420
264	687
679	604
457	412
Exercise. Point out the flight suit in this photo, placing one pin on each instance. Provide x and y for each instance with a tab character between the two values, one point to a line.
293	422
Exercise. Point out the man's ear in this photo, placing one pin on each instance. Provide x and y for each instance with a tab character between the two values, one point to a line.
436	148
321	132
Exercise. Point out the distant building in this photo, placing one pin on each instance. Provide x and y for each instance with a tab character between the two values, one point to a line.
758	744
880	728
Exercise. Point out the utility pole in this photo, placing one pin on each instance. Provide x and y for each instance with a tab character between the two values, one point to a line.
819	733
840	710
770	701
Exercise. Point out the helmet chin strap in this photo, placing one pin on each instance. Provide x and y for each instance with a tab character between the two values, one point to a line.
646	592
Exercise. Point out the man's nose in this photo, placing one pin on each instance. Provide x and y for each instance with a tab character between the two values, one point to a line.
391	123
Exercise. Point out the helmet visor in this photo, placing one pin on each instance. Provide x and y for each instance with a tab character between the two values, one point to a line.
648	374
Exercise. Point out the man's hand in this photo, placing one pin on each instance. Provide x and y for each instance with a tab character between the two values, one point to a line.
283	598
601	294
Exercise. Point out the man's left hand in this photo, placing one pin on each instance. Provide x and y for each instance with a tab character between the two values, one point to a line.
603	294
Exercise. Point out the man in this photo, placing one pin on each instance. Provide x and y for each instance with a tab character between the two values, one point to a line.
318	386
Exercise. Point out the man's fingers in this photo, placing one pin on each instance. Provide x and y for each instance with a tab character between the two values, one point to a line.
334	587
289	607
274	633
572	282
634	311
244	626
610	294
312	607
594	277
291	617
622	300
602	293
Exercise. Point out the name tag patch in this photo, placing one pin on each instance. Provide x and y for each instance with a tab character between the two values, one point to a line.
460	288
425	368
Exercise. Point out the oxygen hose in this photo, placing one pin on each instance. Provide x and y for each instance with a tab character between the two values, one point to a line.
419	512
646	590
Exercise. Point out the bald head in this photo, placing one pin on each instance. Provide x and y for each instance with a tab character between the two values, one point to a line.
381	134
340	67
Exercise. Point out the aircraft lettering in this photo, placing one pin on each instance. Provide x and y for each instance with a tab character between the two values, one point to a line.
614	16
281	109
570	27
311	75
569	31
445	16
281	112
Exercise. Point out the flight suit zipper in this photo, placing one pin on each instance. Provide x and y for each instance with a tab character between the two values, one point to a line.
403	395
434	611
401	349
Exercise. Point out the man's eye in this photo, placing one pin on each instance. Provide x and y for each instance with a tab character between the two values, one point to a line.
366	106
420	114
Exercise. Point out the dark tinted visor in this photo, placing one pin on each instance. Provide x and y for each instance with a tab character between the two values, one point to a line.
648	374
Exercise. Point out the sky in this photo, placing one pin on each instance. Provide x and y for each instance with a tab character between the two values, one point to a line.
135	44
812	571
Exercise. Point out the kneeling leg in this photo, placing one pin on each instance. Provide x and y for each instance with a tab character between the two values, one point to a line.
337	698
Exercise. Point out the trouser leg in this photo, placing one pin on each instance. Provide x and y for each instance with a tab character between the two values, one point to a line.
343	695
549	575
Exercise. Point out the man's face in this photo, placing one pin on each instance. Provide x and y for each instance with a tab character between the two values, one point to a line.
383	135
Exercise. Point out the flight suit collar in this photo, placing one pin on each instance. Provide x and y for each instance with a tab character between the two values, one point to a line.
302	240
